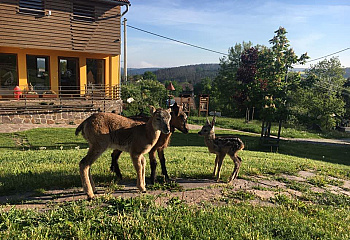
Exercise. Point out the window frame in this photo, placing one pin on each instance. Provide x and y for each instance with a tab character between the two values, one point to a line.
30	7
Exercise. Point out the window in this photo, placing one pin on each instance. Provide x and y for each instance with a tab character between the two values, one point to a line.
83	12
8	71
38	73
95	71
32	7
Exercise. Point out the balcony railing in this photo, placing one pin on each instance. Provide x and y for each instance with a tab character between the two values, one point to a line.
64	99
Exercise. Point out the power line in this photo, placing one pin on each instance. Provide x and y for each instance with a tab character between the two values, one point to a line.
178	41
210	50
343	50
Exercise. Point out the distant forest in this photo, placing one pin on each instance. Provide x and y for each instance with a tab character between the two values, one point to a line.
191	73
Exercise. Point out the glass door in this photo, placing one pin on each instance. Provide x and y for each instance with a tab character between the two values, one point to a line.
68	76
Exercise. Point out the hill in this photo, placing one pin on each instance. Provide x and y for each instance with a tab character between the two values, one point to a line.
139	71
190	73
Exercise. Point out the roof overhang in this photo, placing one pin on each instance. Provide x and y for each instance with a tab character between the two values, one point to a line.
115	2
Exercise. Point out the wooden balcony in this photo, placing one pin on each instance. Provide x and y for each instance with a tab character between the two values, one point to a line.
91	98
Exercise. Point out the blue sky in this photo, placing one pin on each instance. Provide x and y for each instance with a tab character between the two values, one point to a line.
318	27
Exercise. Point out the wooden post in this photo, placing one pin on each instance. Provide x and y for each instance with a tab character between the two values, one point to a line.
125	53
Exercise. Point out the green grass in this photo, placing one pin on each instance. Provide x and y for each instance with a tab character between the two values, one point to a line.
255	127
24	168
140	218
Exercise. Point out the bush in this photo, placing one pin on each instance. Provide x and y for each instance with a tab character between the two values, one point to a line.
144	94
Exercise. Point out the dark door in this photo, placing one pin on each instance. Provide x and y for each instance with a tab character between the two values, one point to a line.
68	76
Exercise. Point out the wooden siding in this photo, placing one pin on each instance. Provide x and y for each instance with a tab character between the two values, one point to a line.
60	31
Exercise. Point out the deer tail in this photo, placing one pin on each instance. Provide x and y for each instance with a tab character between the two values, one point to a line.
80	128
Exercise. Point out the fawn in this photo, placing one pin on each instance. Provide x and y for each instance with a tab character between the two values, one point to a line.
109	130
178	121
221	146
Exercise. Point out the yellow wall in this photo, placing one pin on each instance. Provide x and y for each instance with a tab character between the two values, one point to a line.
112	65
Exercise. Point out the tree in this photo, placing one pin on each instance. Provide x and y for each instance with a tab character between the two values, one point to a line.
273	66
144	93
247	94
224	85
319	98
148	75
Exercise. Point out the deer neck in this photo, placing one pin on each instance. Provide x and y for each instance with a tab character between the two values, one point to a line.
151	134
209	140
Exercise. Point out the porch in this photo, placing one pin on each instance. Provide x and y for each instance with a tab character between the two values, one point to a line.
68	105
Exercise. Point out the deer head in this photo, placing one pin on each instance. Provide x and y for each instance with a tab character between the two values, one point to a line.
178	118
161	119
208	128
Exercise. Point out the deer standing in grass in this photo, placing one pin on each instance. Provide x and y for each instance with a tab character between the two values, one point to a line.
109	130
221	146
178	121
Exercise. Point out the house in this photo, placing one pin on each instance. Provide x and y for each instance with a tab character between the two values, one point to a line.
60	45
59	59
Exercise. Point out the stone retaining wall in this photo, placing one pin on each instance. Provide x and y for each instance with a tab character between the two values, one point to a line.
68	117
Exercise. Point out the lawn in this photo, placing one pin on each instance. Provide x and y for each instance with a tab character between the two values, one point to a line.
39	160
254	126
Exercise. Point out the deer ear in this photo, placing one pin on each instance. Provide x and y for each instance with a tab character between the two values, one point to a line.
208	123
152	110
213	122
175	109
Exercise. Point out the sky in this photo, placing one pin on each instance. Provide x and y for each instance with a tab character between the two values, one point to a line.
318	27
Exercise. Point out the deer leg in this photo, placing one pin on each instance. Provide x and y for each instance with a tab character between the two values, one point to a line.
216	165
114	164
153	163
237	161
221	157
139	163
162	163
85	175
143	178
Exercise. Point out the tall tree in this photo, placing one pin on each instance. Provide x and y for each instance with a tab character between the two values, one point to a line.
224	85
273	66
319	100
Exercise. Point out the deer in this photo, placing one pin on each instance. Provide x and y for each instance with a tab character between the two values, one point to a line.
221	146
178	121
109	130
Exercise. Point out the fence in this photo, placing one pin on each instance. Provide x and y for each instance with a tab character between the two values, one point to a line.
90	98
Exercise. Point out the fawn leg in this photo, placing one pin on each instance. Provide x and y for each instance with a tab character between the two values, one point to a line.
153	163
237	161
216	165
162	163
84	167
221	157
114	164
138	165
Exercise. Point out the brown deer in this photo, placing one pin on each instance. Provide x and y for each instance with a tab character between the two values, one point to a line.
109	130
221	146
178	121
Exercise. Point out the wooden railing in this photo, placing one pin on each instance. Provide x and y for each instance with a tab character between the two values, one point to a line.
66	99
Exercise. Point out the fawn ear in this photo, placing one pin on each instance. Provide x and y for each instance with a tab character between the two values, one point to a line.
213	122
152	109
208	122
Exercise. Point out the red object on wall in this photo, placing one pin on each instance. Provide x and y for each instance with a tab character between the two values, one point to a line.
17	92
